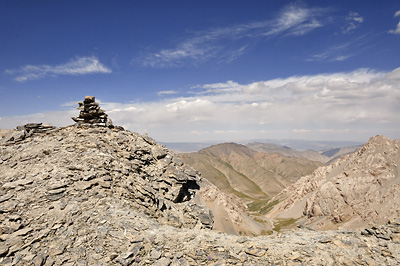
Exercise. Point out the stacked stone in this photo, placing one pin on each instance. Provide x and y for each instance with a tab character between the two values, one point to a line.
91	113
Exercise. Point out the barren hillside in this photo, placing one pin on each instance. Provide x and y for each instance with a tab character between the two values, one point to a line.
238	169
359	189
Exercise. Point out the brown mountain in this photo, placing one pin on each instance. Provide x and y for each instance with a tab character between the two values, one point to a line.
325	156
358	189
249	174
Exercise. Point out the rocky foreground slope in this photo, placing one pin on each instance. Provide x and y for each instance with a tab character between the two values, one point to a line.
99	196
357	190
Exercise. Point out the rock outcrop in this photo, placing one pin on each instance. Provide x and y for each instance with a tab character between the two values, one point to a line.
358	190
25	131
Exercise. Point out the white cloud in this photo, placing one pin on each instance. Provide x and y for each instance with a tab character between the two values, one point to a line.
345	102
222	87
397	30
161	93
77	66
353	21
220	43
341	57
356	104
296	20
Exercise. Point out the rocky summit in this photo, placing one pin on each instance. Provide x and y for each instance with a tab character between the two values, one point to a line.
94	195
75	180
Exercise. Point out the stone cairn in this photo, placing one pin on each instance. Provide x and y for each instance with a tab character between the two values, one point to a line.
91	114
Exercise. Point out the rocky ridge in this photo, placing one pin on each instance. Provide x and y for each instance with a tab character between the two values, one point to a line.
100	196
25	131
47	179
357	190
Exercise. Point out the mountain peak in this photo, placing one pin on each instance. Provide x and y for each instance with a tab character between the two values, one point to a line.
381	141
345	192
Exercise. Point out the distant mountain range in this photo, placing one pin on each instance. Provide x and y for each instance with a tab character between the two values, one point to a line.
253	176
300	145
316	145
324	156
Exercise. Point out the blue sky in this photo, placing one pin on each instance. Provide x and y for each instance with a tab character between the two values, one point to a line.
206	70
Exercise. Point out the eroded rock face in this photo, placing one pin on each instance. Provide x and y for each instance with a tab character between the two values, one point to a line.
359	189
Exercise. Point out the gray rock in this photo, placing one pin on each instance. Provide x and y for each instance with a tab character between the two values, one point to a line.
156	254
162	262
3	250
129	256
179	262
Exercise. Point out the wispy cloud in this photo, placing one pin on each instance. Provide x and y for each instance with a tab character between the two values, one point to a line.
221	87
170	92
295	20
76	66
344	51
353	21
333	53
397	30
227	44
